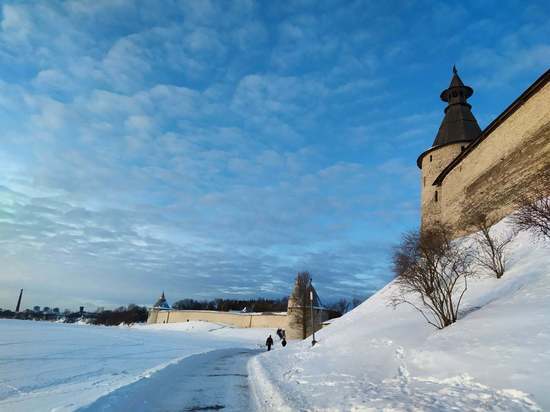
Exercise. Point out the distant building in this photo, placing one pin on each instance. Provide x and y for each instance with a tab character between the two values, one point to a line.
292	321
161	303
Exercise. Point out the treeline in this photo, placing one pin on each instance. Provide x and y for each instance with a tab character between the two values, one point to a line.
29	314
130	314
226	305
258	305
344	305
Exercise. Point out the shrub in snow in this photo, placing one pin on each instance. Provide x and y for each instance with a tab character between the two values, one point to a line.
534	208
492	248
432	274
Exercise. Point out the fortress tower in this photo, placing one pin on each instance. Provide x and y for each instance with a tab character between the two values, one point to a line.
458	129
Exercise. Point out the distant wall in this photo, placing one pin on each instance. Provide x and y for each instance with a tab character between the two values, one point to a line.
290	321
503	165
239	320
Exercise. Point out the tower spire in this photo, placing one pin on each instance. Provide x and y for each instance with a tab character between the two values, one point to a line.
161	302
459	124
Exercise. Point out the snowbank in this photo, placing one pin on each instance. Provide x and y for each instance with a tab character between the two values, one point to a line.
497	357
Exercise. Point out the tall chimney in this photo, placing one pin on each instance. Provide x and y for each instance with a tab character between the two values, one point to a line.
19	301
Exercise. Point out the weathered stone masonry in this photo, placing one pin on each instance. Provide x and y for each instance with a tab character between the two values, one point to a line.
464	175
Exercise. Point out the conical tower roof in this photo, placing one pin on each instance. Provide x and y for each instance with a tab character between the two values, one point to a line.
459	124
161	303
456	81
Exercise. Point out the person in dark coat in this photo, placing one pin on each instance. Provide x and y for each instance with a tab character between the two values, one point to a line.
269	342
280	333
283	342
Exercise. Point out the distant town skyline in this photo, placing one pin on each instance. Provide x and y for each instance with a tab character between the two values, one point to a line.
214	149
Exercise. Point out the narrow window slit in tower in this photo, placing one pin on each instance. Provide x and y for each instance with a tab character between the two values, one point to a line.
430	158
436	195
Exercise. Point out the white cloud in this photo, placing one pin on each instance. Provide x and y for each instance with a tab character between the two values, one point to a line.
139	123
196	144
502	66
15	24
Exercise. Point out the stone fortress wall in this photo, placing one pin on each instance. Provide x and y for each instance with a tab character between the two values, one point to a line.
268	320
238	320
488	174
432	165
296	320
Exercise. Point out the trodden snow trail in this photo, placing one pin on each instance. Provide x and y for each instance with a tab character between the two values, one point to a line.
211	381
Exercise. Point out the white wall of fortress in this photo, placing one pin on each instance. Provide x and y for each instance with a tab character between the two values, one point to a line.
503	165
268	320
239	320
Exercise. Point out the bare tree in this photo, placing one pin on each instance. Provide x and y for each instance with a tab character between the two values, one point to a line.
341	306
299	302
491	255
432	274
533	214
356	301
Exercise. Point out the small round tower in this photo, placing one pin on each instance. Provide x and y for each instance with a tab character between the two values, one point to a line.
458	129
301	308
160	305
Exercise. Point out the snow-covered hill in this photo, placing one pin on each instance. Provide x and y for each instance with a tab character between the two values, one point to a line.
496	357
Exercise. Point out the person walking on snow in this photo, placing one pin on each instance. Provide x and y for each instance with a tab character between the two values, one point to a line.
269	342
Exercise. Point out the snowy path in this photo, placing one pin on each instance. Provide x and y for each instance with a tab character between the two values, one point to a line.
211	381
48	366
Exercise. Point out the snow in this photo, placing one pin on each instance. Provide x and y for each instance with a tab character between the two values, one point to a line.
495	358
52	366
209	381
375	358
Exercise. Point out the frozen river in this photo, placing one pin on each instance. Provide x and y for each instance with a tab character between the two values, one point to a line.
46	366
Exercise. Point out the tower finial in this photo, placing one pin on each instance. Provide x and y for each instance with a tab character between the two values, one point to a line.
459	124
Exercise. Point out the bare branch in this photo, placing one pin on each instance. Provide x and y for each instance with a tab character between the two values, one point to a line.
533	213
429	265
492	248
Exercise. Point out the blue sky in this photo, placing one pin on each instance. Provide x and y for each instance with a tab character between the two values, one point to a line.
216	148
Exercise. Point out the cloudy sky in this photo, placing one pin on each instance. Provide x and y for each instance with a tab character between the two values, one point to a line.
214	149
